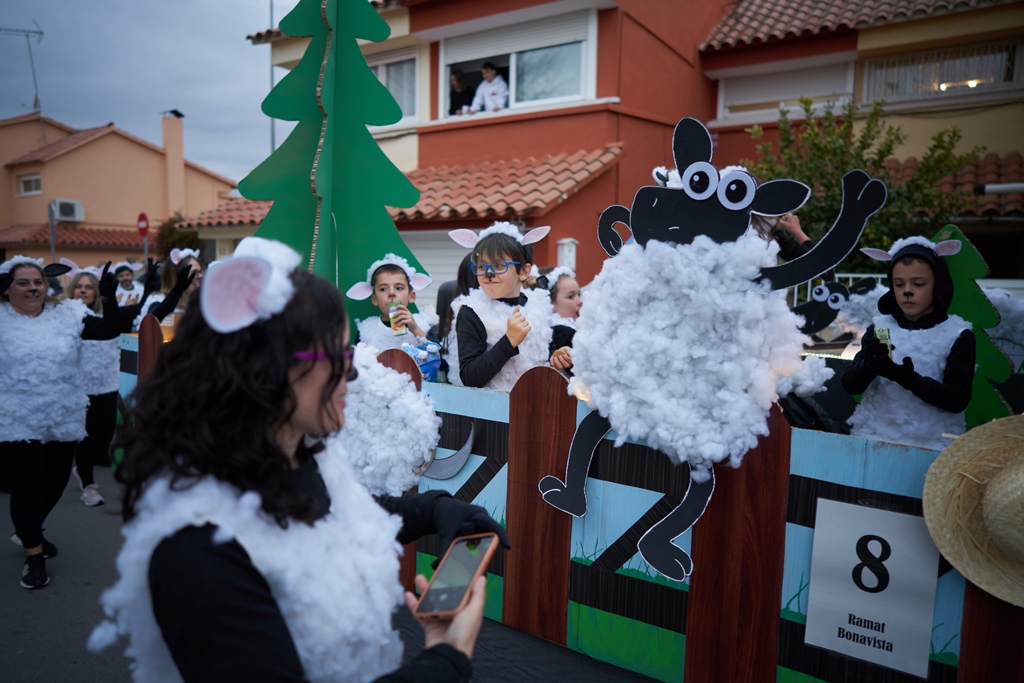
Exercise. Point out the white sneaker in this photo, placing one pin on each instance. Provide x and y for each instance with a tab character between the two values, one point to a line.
91	495
74	471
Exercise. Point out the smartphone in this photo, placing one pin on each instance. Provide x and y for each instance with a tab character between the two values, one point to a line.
448	592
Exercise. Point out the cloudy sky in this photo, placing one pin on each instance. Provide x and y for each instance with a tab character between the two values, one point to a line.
127	61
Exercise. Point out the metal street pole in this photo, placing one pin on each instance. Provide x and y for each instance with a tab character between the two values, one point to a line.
51	214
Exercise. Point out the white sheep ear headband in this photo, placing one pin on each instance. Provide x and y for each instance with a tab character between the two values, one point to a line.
363	290
945	248
9	265
556	273
134	267
468	238
253	284
178	254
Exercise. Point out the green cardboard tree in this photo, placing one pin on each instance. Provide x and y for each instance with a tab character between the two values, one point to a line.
970	303
329	180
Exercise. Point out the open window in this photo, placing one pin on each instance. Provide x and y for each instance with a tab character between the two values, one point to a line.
541	63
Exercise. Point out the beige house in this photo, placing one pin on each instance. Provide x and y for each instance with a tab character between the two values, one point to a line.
102	179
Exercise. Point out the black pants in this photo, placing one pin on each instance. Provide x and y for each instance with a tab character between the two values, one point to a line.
38	473
100	422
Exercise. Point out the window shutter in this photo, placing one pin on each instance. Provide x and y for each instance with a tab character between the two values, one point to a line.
567	28
788	85
438	255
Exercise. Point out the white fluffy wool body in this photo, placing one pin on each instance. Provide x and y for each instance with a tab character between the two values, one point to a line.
337	600
1009	333
494	315
377	334
861	309
101	365
888	412
677	345
390	428
43	395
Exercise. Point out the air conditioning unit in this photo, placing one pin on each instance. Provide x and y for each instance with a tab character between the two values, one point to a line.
68	210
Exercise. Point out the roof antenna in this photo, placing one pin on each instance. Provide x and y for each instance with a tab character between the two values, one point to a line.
36	106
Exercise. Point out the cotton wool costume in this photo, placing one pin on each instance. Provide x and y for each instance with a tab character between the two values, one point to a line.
44	399
377	332
922	400
211	588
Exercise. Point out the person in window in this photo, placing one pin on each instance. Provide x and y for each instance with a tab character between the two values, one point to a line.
460	97
492	93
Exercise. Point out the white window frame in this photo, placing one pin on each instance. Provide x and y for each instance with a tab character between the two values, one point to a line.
402	55
588	76
30	177
1014	88
790	102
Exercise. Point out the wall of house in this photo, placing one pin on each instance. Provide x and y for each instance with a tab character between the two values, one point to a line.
18	139
202	191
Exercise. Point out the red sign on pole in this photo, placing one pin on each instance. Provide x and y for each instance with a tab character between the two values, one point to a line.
143	224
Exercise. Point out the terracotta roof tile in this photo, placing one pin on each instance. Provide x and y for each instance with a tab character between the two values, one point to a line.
990	169
758	21
239	211
73	235
514	187
54	148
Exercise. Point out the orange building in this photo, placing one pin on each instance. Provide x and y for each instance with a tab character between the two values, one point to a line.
102	178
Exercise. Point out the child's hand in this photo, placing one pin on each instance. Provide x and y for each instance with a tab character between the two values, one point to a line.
404	317
561	359
517	327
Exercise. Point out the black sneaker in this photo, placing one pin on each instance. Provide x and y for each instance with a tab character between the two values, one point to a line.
33	574
49	549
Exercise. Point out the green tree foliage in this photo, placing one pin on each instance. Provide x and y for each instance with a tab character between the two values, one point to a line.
820	149
169	237
971	304
329	180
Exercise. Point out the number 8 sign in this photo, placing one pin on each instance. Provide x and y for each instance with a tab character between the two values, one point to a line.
872	589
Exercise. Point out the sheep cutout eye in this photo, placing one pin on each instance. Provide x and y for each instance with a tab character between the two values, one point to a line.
820	293
836	302
736	191
700	180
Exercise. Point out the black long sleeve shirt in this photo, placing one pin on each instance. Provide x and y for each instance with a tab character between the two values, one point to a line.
221	622
478	364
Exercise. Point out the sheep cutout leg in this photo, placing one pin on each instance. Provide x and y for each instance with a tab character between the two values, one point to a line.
657	547
571	496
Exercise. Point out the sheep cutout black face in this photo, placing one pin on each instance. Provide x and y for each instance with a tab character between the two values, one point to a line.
712	370
827	299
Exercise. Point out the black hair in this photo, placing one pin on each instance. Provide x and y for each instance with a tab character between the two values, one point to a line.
488	65
942	292
464	281
500	247
388	268
215	401
120	268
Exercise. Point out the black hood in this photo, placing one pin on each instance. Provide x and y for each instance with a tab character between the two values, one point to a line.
943	294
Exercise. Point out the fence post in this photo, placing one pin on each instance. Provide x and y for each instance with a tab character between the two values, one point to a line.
990	638
542	421
151	340
400	361
732	625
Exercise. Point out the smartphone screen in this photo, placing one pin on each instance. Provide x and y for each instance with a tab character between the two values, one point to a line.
454	576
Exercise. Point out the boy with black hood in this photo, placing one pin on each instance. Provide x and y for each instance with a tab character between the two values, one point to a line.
925	395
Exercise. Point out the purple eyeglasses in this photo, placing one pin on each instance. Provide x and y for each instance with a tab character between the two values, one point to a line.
348	367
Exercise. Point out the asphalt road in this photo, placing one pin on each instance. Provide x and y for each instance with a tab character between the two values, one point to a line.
43	632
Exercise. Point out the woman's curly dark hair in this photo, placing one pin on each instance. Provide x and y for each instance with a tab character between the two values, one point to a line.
214	401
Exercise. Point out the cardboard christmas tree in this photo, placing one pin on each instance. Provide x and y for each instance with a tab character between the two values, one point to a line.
330	182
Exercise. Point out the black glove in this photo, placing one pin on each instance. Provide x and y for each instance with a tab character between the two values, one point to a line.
108	285
904	374
152	282
5	282
454	518
183	278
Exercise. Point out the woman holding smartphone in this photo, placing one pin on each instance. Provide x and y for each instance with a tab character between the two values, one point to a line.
248	555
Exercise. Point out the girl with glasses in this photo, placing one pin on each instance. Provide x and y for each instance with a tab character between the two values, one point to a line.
248	554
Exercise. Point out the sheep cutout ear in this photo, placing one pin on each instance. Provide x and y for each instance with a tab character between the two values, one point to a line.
536	235
464	237
419	281
70	264
229	295
359	291
948	248
877	254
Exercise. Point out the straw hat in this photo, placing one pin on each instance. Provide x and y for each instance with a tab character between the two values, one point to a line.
974	507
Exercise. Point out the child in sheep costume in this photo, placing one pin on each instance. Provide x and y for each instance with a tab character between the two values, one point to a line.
923	396
398	282
696	284
482	353
391	429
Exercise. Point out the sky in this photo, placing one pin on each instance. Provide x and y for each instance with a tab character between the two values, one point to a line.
126	62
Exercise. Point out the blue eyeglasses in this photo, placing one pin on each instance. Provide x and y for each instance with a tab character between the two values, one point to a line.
499	268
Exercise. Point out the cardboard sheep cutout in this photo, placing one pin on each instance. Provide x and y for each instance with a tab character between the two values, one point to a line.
696	285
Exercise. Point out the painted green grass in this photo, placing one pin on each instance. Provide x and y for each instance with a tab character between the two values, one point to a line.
642	571
944	656
785	675
626	643
799	615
